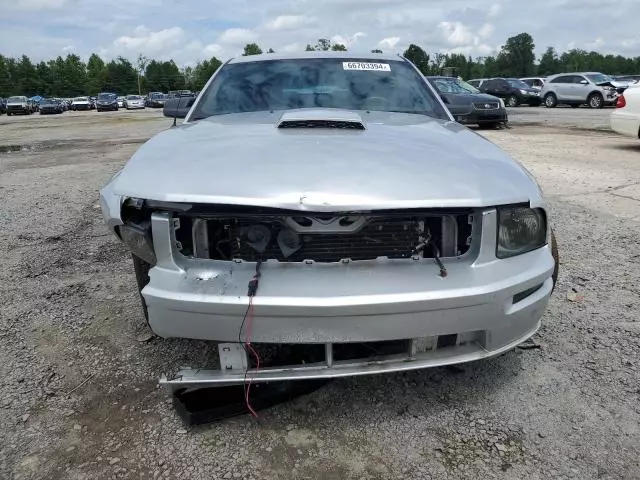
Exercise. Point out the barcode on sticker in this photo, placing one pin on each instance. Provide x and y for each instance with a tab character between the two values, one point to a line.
380	67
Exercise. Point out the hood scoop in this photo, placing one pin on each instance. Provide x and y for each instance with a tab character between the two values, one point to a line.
312	118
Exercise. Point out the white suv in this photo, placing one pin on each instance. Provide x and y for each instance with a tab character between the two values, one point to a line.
575	89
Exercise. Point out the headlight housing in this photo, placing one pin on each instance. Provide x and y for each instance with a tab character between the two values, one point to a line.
524	92
520	230
138	240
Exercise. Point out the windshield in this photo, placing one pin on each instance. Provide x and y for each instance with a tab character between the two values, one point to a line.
517	83
106	96
599	78
453	85
391	86
81	99
17	99
133	97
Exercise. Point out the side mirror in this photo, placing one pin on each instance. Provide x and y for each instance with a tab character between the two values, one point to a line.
584	82
178	107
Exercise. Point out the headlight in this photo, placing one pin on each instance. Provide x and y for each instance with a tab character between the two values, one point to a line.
520	230
502	105
138	239
524	92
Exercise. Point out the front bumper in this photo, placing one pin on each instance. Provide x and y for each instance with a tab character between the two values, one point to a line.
478	117
367	301
625	123
81	106
17	109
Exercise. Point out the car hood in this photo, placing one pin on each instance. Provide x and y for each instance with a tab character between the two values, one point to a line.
398	161
16	103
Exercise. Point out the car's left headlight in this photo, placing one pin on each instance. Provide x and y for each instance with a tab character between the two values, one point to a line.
524	92
520	230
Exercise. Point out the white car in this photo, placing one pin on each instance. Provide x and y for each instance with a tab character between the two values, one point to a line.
626	117
120	102
81	103
133	101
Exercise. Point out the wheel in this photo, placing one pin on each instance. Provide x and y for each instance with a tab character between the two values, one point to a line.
141	269
550	100
512	101
8	114
556	258
595	100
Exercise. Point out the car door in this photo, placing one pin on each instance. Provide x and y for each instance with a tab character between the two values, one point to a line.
496	87
561	86
580	89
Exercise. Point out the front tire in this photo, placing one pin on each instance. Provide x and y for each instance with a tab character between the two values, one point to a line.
512	101
141	269
595	100
550	100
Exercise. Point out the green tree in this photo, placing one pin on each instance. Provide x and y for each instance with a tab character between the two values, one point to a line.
516	58
96	75
419	57
323	45
75	76
309	48
271	50
338	47
26	75
376	50
6	88
203	72
251	49
549	63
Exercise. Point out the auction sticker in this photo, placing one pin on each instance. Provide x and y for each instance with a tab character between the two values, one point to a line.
380	67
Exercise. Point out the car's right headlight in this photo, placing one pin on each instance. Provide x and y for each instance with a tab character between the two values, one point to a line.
520	230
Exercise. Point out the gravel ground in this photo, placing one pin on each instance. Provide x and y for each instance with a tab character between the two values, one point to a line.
80	398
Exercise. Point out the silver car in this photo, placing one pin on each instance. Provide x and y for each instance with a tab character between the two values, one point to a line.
591	88
327	203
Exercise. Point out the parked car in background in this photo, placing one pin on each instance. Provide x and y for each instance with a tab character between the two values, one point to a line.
155	99
430	247
132	102
625	119
121	102
19	104
630	79
51	105
534	82
81	103
467	104
3	105
107	101
180	93
512	90
476	82
593	89
93	101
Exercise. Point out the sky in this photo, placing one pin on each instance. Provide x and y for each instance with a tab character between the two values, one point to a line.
192	30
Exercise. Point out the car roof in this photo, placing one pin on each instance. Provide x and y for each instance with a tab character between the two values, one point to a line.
327	54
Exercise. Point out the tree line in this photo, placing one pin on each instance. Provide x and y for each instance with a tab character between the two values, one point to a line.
71	76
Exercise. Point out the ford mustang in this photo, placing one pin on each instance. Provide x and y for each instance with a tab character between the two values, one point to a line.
328	205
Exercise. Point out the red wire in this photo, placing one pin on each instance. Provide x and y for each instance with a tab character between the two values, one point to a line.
255	354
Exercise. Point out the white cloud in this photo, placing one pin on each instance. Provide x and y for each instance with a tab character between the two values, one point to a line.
68	48
290	22
389	42
292	47
349	40
456	33
213	50
597	44
494	10
237	36
148	42
486	30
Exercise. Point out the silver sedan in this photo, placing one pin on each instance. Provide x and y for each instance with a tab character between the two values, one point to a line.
329	203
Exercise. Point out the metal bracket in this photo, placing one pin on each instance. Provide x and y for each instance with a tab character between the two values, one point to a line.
233	358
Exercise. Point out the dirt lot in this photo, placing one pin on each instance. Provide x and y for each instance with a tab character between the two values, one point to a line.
79	393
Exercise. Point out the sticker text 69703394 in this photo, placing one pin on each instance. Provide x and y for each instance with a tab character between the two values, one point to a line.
379	67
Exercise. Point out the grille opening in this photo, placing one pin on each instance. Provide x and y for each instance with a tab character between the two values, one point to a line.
351	237
447	340
283	354
518	297
369	350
